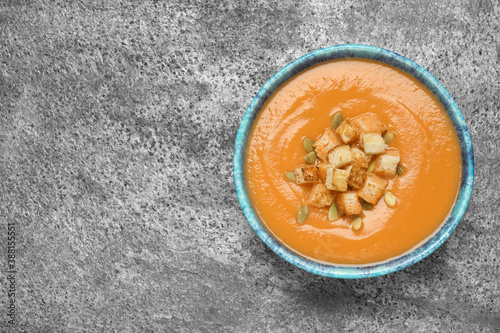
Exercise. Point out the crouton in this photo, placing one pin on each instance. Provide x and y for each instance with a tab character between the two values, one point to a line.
340	156
369	122
387	163
359	165
357	176
372	143
307	174
319	196
336	179
323	167
360	158
347	131
373	188
325	143
348	203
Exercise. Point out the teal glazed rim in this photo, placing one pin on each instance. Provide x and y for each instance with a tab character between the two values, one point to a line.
410	67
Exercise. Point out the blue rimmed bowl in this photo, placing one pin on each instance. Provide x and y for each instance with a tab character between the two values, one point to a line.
396	60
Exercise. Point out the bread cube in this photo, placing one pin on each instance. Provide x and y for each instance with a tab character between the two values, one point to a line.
340	156
348	204
360	157
357	176
319	196
369	122
387	163
336	179
372	143
373	188
347	131
307	174
325	143
323	167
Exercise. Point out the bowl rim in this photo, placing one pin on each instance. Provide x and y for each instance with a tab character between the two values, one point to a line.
369	52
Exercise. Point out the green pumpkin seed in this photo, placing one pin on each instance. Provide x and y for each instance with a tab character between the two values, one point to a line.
388	137
333	213
308	144
302	215
400	169
357	222
310	158
291	175
371	166
337	120
390	199
366	205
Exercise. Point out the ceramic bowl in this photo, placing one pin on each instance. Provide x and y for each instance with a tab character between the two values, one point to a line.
391	58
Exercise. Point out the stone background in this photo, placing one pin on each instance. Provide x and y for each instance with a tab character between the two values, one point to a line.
117	126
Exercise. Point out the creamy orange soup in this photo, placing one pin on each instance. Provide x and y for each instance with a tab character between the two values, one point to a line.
304	107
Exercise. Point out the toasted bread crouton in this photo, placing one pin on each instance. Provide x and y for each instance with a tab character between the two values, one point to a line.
387	163
323	167
360	158
319	196
369	122
373	188
307	174
340	156
357	176
325	143
348	203
336	179
372	143
347	131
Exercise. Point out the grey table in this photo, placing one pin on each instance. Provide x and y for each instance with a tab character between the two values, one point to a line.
117	126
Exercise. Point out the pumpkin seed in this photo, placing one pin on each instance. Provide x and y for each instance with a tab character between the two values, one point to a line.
357	222
371	166
400	169
390	199
291	175
366	205
388	137
333	213
308	144
302	215
310	158
337	120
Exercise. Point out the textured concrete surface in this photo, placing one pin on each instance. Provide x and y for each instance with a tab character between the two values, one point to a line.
117	124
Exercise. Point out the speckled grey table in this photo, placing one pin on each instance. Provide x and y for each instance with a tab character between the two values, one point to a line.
117	124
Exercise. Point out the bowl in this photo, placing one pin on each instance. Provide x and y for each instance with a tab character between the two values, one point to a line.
410	67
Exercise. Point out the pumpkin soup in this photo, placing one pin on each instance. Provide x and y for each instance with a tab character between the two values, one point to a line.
299	127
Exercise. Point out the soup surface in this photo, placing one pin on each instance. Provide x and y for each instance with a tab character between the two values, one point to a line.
304	107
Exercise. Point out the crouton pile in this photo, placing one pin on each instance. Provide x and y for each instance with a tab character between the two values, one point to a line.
348	167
